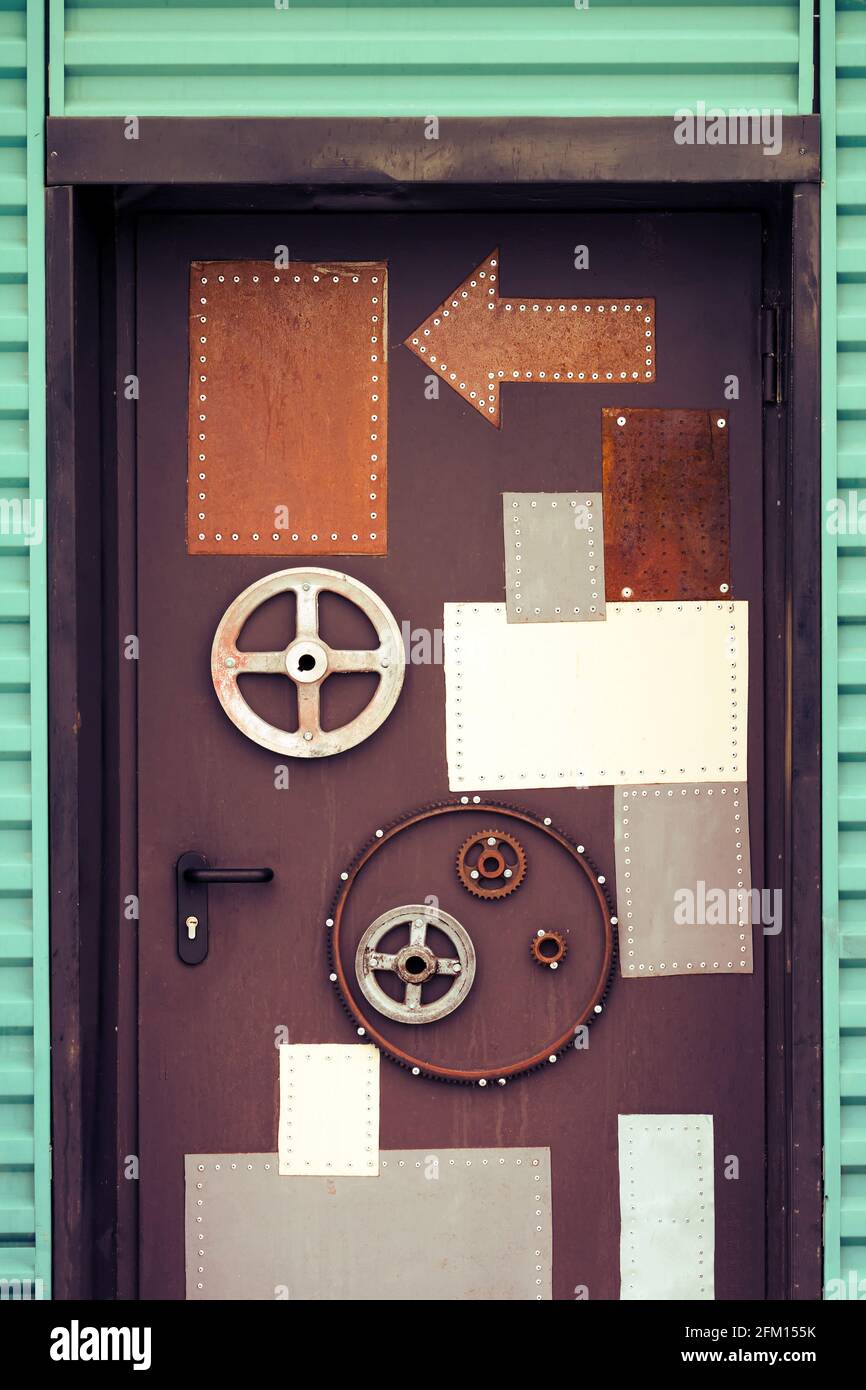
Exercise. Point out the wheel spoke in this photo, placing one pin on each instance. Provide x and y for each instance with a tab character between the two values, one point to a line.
381	960
446	966
355	661
418	932
412	996
307	617
308	709
261	663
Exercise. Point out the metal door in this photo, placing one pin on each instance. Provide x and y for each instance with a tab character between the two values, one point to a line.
208	1065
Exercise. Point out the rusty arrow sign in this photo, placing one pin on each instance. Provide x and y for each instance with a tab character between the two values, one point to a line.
478	340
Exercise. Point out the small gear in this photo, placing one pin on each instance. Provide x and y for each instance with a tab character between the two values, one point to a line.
491	864
549	948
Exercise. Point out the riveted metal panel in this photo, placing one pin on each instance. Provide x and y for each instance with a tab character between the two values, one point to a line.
288	408
667	1241
453	1224
666	503
554	557
683	880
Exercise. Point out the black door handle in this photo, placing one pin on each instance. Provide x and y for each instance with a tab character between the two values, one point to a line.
194	875
228	875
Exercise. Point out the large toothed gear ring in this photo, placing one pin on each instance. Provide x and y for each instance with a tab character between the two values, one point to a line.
491	864
365	1023
307	660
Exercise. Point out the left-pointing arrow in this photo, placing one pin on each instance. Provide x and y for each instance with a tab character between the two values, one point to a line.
476	340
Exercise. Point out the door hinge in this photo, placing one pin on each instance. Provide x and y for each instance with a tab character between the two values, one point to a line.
771	376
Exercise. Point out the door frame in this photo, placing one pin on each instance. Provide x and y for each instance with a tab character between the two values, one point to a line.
100	182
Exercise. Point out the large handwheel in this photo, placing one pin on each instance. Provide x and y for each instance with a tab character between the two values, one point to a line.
415	963
308	661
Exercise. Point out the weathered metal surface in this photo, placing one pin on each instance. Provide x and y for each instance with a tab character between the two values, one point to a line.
667	1205
201	783
291	150
548	948
288	408
477	341
414	963
683	880
657	693
495	1071
666	504
462	1225
554	557
307	660
491	864
329	1109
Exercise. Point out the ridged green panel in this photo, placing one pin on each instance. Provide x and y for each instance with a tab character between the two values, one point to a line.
541	57
25	1205
843	103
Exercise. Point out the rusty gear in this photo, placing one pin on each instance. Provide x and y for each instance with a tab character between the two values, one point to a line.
484	870
493	1076
557	948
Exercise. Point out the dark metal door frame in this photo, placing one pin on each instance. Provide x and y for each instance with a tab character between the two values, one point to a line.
101	183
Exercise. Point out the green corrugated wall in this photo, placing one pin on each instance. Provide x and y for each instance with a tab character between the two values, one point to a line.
843	94
496	58
107	57
25	1216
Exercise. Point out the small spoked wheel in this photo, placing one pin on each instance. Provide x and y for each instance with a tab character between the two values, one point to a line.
415	963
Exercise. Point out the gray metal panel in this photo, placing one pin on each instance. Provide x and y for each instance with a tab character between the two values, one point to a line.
667	1206
554	557
457	1224
683	879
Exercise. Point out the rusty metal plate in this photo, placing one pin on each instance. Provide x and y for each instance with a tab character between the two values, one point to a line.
657	693
288	408
478	341
446	1225
667	1205
683	880
554	557
666	504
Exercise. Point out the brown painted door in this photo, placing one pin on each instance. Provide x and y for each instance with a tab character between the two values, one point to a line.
208	1065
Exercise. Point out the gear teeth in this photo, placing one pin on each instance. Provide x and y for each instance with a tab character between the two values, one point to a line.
510	885
548	960
538	822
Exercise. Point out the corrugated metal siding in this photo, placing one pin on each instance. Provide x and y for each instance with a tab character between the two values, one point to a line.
24	1038
541	57
843	102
